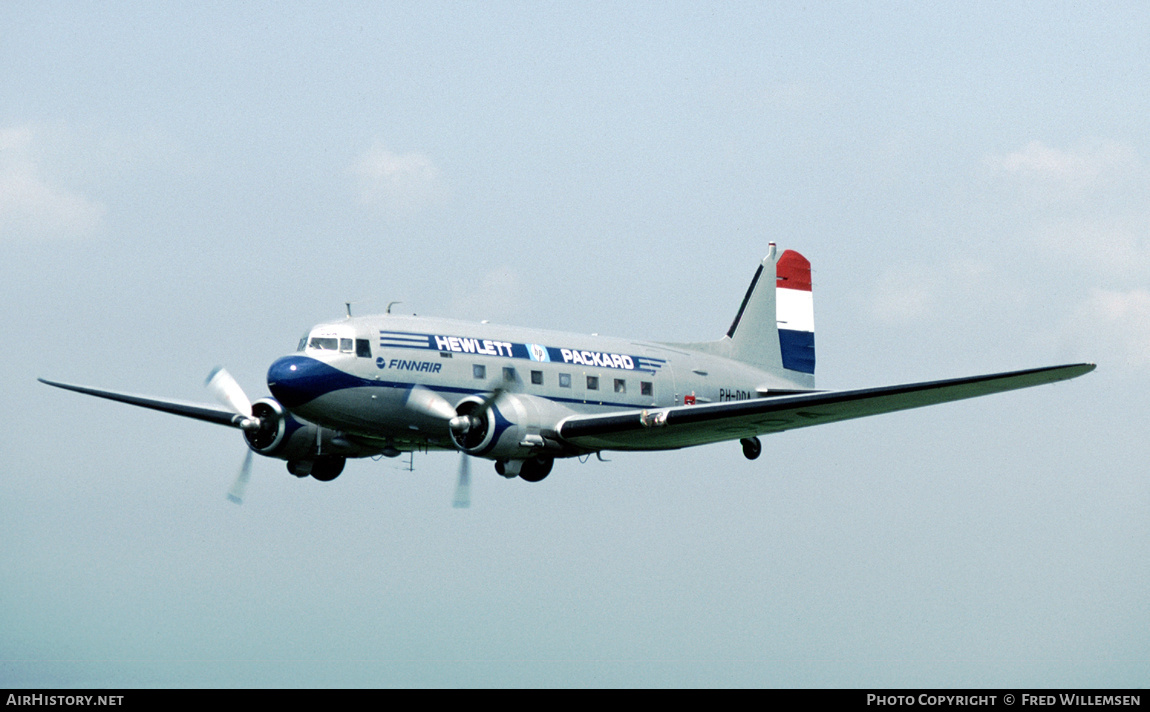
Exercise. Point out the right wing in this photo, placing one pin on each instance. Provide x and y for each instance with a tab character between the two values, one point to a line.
687	425
199	411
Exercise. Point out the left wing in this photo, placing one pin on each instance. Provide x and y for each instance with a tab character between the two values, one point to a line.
683	426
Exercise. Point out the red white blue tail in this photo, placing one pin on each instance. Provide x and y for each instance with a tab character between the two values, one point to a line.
795	312
774	329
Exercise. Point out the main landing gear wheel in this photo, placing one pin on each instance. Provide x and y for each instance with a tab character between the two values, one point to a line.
752	448
535	469
327	468
323	468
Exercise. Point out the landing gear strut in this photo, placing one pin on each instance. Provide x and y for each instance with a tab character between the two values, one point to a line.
752	448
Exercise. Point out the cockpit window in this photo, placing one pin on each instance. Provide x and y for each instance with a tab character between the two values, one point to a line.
302	343
324	343
325	340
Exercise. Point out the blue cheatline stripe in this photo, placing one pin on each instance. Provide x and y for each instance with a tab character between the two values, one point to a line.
653	362
312	379
798	349
405	340
391	345
422	343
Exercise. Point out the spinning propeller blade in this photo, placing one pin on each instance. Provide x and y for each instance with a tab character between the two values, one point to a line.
462	498
223	386
236	493
226	390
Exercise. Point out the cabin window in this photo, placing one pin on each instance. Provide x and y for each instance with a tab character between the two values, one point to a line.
646	388
537	378
564	380
363	348
592	383
478	370
509	374
620	385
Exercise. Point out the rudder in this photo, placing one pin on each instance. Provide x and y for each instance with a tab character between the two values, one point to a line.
795	312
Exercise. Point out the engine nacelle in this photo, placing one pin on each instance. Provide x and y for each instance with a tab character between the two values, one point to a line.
513	426
283	436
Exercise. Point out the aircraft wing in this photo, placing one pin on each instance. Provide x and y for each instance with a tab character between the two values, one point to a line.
199	411
683	426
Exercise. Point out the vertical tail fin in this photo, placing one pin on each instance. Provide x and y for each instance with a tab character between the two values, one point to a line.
775	328
753	336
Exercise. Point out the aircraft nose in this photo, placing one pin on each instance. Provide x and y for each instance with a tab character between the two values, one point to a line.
295	380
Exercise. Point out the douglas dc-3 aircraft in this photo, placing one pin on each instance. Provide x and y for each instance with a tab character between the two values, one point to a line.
382	385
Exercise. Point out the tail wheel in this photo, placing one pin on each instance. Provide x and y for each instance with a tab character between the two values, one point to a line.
752	448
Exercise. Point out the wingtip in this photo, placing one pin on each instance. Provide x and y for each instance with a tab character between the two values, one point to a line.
1072	370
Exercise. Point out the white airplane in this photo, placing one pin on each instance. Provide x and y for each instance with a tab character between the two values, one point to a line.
388	384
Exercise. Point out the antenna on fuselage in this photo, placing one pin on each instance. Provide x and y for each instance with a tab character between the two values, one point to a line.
390	304
348	305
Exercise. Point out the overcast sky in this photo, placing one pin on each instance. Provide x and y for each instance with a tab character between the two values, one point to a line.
191	185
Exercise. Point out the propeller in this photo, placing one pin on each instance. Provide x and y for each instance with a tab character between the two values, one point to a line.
236	493
223	386
227	391
462	498
461	425
431	404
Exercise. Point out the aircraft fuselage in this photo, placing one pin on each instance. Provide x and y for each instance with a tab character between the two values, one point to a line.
356	375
